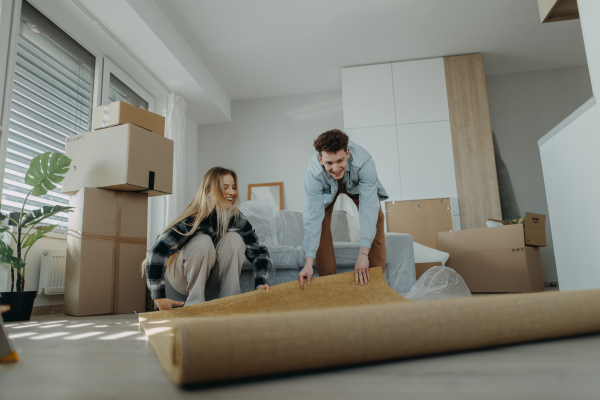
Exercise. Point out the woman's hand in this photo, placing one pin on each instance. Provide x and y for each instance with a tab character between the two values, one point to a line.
167	304
265	286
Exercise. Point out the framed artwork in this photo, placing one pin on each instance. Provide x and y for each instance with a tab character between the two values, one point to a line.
267	191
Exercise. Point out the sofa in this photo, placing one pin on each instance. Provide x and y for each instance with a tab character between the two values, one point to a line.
283	232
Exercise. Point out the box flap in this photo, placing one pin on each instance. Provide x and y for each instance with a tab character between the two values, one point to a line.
95	212
535	221
133	211
535	237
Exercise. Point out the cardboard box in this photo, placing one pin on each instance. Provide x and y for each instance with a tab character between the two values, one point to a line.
534	228
106	245
124	157
121	113
494	260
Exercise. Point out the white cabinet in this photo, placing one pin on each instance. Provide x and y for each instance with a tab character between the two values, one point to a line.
368	96
571	168
426	161
420	91
381	143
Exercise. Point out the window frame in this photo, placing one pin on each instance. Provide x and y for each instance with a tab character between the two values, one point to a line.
110	67
10	17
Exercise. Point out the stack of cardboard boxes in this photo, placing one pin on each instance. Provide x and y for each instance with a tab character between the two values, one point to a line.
502	259
115	169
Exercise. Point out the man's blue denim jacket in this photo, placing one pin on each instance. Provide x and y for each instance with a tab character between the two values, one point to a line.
320	188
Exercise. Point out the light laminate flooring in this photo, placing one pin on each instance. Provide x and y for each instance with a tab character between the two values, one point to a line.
108	357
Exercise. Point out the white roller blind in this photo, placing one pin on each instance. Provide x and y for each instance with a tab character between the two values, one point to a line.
51	100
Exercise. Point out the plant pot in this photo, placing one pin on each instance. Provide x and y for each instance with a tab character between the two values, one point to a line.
21	305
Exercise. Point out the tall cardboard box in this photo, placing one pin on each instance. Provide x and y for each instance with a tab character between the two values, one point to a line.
124	157
106	245
121	113
494	260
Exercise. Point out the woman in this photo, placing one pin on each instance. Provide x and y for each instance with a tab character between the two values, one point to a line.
210	233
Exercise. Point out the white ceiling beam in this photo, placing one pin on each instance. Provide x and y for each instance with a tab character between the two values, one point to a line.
147	33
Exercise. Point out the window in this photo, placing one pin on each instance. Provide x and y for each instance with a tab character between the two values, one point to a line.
51	100
118	86
117	90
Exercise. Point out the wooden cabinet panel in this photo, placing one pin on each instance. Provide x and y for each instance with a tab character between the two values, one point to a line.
381	143
426	161
474	159
420	91
368	96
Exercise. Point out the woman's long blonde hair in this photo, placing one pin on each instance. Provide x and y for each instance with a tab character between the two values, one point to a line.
210	197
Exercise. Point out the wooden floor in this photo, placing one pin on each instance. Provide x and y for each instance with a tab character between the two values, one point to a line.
108	357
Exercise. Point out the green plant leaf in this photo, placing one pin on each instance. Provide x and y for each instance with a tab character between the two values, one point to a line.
2	217
37	216
4	228
34	237
18	263
45	170
6	253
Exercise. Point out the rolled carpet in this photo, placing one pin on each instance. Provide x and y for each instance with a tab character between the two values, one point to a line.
215	348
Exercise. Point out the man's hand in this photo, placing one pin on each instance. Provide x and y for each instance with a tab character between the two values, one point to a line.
265	286
307	272
361	269
167	304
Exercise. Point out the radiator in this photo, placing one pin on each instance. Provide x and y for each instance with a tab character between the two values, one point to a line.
52	272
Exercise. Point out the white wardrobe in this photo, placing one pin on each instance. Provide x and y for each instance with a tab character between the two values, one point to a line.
401	114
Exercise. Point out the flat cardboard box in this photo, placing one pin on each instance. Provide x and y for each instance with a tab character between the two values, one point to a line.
106	245
422	219
124	157
494	260
534	228
121	113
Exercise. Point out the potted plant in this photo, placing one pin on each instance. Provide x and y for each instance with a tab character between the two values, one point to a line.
44	172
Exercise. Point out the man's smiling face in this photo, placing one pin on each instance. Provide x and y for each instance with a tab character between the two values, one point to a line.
335	163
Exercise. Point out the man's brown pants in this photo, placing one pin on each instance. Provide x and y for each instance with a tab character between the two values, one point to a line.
325	259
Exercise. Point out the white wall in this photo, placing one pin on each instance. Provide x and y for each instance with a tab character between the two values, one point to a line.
523	108
270	140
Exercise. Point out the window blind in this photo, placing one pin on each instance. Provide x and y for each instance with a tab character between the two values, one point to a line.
51	100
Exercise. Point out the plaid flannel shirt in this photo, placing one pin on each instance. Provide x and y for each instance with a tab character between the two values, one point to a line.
172	241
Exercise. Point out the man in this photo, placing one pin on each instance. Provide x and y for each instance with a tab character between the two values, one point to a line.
340	166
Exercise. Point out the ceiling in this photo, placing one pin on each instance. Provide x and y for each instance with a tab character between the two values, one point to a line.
263	48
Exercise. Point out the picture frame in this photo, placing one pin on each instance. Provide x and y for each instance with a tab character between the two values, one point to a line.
267	191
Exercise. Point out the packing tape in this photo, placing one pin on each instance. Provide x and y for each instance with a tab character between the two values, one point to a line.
105	116
108	238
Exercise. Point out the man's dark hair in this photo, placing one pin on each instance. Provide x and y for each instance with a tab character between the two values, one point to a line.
331	141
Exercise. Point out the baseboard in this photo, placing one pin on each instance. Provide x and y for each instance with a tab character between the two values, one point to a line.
47	310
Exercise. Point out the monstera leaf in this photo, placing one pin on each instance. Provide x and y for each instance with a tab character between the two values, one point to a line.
18	263
6	253
34	237
37	216
45	170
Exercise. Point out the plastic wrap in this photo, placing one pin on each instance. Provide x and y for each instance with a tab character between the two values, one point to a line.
424	254
438	283
263	216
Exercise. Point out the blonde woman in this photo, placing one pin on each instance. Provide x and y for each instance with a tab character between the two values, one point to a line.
210	233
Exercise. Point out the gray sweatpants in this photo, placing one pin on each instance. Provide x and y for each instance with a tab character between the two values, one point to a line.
190	273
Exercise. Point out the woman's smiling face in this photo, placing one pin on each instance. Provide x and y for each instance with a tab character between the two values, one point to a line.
229	189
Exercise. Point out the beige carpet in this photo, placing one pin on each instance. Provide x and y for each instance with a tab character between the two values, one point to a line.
207	343
326	292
